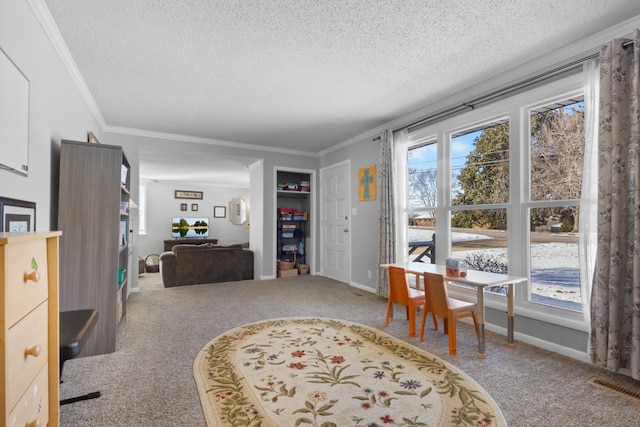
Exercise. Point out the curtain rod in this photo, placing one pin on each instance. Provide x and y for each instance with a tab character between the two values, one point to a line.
471	104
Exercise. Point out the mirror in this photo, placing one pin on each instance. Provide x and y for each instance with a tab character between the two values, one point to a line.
238	211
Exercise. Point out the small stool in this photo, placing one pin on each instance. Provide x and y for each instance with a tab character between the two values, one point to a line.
75	327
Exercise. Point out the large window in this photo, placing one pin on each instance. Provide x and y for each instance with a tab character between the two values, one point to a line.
479	193
556	159
423	197
500	187
480	171
142	209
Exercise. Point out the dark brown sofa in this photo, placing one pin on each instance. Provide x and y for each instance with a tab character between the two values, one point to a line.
207	263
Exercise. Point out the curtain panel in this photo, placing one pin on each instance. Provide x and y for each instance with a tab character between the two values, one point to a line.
386	217
615	300
588	218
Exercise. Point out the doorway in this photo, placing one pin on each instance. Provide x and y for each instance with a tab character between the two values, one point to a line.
335	222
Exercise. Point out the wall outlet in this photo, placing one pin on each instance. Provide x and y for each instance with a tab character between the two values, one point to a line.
369	274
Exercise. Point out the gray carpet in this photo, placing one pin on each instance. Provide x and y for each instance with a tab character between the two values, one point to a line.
149	381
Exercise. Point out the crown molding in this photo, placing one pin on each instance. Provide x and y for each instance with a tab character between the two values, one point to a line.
51	30
202	140
584	46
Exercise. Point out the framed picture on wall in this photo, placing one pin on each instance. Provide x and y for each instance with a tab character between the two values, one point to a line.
194	207
367	183
182	194
219	211
17	215
183	206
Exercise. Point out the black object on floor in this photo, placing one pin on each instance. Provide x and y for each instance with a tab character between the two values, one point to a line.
75	328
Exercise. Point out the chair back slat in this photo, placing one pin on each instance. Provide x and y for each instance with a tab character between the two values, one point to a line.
398	285
435	292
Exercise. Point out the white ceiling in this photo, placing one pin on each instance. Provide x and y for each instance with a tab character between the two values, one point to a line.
301	75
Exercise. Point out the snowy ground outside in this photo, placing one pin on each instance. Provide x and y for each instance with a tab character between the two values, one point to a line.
555	268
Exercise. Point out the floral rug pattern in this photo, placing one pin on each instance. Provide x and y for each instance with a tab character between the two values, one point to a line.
323	373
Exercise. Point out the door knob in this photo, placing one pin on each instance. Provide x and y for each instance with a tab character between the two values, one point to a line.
346	230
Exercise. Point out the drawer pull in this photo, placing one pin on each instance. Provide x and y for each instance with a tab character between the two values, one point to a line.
34	423
34	276
33	351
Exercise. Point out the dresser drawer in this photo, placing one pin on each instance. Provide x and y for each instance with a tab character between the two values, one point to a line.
28	334
23	294
33	406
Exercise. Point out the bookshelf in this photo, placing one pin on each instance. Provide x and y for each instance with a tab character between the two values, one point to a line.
293	197
93	214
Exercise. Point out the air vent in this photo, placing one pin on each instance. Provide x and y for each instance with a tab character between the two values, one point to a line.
624	391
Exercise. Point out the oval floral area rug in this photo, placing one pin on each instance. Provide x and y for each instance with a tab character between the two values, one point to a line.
324	372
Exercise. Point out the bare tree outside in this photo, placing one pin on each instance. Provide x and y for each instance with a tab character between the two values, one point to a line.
557	153
423	187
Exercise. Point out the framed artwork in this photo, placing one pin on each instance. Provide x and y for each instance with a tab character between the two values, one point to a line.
367	183
194	207
183	206
182	194
17	215
219	211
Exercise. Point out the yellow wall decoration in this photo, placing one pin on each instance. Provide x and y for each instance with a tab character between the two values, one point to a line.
367	183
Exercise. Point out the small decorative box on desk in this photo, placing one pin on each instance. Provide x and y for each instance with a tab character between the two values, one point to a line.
456	267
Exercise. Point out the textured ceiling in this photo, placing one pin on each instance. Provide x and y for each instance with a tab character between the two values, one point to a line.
303	74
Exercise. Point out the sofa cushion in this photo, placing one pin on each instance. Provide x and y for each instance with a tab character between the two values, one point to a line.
187	247
208	265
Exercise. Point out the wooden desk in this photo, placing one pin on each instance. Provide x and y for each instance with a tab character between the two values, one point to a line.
479	280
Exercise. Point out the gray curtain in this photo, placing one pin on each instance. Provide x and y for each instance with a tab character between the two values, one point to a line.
386	214
615	300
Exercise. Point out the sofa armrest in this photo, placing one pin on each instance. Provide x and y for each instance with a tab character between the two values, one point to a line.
247	264
168	269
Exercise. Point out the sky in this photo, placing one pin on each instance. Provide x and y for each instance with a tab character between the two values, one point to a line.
426	157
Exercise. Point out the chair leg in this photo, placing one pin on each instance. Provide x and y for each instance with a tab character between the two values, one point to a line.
87	396
92	395
386	322
452	335
411	314
423	323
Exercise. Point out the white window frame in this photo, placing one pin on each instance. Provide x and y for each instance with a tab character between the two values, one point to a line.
517	109
142	209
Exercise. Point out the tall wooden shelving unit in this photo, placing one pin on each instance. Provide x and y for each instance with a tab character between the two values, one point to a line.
297	235
93	211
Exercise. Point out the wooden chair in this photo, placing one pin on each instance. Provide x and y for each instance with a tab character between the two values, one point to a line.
438	303
401	293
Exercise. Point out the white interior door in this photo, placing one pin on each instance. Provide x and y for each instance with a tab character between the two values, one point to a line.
335	222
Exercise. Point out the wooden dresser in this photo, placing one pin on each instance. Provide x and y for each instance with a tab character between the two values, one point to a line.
29	348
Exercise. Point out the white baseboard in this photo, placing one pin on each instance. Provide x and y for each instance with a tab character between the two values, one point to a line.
363	287
582	356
